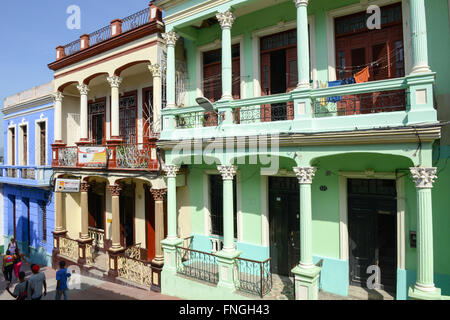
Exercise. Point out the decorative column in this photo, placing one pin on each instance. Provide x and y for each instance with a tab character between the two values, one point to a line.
419	37
84	189
115	82
172	241
171	40
116	248
226	20
59	228
158	261
84	135
424	288
227	255
58	97
306	273
155	69
302	43
115	195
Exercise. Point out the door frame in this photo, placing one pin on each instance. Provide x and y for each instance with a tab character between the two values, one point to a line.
343	208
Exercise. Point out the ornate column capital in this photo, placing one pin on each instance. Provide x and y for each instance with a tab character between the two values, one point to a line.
301	3
115	190
228	172
423	177
158	194
83	88
171	38
171	170
226	19
305	175
155	69
114	81
85	186
58	96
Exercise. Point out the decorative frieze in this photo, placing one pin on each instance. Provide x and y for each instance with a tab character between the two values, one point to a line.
83	88
115	190
171	171
158	194
228	172
114	81
423	177
226	19
305	175
171	38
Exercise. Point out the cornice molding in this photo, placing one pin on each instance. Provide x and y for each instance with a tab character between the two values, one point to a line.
35	103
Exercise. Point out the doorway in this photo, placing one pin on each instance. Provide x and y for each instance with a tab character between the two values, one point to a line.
284	221
127	214
372	225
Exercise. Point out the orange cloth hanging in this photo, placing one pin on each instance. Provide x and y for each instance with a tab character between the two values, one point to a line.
362	76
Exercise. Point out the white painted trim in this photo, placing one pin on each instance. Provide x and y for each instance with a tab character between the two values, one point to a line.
27	113
37	140
206	206
240	229
13	126
362	6
214	46
281	27
265	228
140	128
20	149
343	208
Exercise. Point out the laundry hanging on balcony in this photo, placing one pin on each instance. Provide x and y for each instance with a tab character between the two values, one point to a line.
362	76
334	84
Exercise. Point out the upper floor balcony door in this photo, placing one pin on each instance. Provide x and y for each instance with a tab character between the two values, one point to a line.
97	121
279	72
364	54
128	117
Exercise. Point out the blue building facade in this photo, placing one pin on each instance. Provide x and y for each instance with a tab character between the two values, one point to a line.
28	206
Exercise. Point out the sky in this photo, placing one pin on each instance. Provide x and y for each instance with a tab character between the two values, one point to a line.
31	30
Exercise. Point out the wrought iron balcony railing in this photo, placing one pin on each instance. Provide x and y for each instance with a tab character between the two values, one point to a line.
198	265
32	174
253	277
141	156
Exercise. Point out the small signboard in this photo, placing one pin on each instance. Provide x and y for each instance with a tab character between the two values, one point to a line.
67	185
92	156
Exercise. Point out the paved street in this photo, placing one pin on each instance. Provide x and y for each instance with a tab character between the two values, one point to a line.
90	289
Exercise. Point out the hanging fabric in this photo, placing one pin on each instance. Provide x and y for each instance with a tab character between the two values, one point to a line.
323	101
334	84
362	76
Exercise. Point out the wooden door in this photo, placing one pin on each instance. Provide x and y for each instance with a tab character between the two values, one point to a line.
284	221
25	146
13	147
127	215
291	78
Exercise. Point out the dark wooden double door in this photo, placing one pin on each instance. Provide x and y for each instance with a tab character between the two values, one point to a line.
284	221
372	225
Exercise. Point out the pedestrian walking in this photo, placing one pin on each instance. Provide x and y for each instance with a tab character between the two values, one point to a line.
7	266
61	282
37	283
21	290
18	257
12	246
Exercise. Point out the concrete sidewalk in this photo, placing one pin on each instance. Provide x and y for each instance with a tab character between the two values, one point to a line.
89	288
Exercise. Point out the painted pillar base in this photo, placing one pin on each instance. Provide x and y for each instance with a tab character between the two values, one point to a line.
226	269
417	294
306	283
170	256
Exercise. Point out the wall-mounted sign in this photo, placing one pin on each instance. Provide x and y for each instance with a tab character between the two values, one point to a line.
67	185
92	156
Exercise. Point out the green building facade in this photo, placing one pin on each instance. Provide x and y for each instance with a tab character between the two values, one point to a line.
297	170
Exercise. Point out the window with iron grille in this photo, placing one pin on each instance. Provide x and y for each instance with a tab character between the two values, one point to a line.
216	205
128	109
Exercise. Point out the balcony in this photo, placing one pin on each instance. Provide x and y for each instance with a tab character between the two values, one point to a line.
378	104
123	157
33	176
